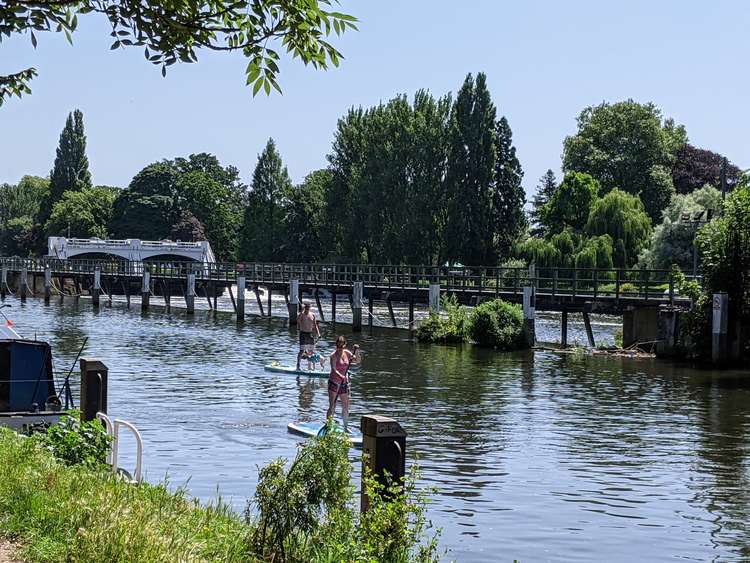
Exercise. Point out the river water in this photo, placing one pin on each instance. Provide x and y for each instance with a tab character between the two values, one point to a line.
536	456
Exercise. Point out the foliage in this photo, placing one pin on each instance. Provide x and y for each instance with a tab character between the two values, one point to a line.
694	168
622	217
263	228
305	513
20	205
450	327
77	443
305	221
571	203
61	512
162	192
83	214
509	197
724	245
544	192
71	169
498	324
387	197
188	228
17	236
627	145
672	240
256	28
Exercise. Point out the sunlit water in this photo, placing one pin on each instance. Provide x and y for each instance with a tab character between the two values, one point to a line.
535	456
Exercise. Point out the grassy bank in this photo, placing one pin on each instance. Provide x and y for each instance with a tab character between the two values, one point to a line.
302	511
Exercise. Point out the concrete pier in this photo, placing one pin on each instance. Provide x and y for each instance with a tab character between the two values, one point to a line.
293	302
190	294
240	298
145	291
357	294
47	285
97	288
529	315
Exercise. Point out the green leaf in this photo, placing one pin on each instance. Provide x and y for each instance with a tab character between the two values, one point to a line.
258	85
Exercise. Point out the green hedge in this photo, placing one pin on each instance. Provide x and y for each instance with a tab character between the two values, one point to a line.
497	324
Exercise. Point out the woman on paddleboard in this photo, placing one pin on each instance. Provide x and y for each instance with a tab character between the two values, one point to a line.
338	382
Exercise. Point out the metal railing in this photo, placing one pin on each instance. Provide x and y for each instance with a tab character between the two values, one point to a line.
593	283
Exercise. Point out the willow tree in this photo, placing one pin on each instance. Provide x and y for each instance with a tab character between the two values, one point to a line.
171	32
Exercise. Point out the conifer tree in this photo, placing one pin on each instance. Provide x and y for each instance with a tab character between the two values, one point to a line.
544	192
508	197
71	169
263	233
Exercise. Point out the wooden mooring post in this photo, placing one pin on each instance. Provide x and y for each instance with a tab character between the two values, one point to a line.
320	307
383	452
240	298
587	324
24	283
259	300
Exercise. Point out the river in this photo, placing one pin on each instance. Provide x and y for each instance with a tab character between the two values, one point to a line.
536	456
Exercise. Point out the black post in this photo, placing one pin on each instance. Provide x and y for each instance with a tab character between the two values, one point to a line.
384	452
93	388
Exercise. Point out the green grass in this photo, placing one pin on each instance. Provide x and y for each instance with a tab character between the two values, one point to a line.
76	513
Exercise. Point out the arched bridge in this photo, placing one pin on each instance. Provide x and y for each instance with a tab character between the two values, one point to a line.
132	250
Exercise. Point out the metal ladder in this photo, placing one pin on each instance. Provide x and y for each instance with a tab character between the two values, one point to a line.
113	430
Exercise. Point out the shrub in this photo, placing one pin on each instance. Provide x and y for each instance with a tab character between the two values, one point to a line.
77	443
499	325
451	327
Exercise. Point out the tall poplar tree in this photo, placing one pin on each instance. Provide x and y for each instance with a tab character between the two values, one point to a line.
544	192
71	169
470	175
508	197
263	233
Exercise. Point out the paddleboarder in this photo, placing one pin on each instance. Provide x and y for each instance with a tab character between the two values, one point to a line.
307	324
338	382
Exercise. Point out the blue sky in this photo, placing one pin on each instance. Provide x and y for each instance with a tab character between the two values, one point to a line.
545	61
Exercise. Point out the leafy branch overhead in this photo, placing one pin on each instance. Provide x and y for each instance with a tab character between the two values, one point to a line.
174	30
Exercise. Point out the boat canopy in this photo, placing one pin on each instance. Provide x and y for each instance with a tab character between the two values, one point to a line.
26	379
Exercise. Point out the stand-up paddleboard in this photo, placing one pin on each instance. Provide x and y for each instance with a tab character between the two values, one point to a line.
291	370
311	429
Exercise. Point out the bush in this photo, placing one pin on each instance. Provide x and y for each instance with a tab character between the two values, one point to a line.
498	324
452	327
77	443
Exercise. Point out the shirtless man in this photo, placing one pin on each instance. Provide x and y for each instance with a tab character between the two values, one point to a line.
307	324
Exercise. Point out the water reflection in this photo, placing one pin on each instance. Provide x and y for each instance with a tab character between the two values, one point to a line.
537	456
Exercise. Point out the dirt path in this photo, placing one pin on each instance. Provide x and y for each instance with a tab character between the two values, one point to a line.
7	553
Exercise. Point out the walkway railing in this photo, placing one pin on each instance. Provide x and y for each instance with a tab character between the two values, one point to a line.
595	283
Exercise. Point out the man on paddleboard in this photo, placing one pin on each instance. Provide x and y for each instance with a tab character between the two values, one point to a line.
307	325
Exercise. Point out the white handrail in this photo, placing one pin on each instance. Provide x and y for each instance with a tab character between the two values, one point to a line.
138	444
110	432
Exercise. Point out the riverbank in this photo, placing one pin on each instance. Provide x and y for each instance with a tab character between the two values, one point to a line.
8	552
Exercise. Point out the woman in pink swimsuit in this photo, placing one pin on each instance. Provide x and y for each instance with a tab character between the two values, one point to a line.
338	382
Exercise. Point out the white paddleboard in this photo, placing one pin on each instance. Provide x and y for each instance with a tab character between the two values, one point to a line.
291	370
310	429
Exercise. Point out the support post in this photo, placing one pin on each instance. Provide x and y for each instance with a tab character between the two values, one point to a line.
529	315
434	298
47	285
390	310
259	300
97	288
145	290
411	314
270	304
293	302
125	289
564	329
240	298
320	307
190	294
3	281
369	309
720	342
357	294
93	388
24	283
587	324
333	305
167	295
384	452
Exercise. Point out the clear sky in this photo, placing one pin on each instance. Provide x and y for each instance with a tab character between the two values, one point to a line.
545	61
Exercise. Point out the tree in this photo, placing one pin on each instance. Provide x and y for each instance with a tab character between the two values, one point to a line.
672	240
71	169
694	168
508	194
187	228
305	219
176	31
20	205
82	214
470	175
571	204
626	145
544	192
620	216
263	234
